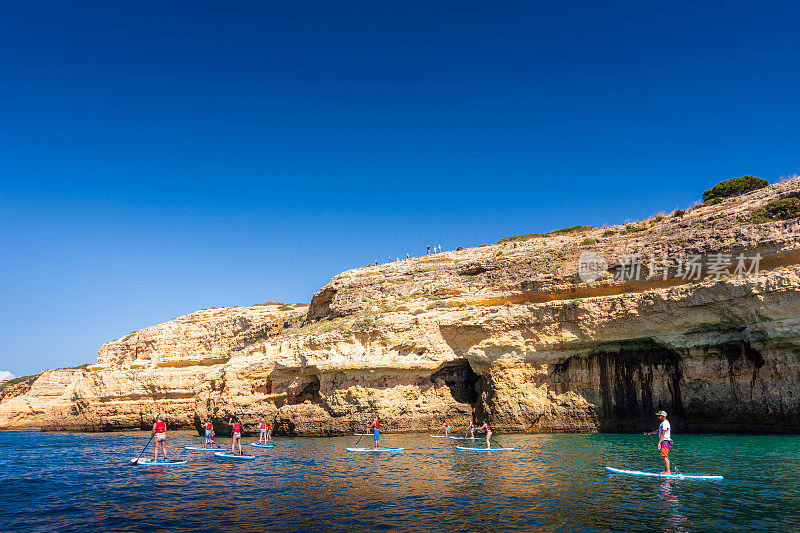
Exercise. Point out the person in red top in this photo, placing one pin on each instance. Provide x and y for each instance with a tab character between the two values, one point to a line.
160	432
485	427
376	430
209	433
236	426
269	432
262	427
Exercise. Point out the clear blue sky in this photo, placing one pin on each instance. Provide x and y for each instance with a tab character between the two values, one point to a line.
161	157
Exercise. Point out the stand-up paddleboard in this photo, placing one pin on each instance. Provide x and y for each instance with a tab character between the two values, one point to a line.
438	436
199	449
367	450
657	474
463	438
142	461
257	445
363	434
234	456
484	449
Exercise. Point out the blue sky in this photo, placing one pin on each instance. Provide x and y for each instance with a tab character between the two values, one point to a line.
158	158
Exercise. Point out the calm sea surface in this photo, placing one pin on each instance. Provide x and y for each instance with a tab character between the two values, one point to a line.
83	482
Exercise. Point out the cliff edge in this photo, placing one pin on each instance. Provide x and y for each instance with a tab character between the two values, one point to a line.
582	329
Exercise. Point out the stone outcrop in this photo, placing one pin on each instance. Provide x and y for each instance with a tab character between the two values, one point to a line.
508	332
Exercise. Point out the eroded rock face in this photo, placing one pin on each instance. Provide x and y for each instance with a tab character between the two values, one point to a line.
508	333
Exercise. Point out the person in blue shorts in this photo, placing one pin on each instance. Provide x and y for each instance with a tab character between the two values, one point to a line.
209	427
376	430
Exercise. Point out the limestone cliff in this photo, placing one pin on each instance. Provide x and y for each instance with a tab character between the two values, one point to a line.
509	332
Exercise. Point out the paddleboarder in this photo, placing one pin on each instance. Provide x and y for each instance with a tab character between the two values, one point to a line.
664	439
376	430
485	427
262	427
160	432
269	432
470	429
209	434
446	428
236	427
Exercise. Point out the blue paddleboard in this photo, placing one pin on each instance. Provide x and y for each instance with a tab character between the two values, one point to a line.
234	456
367	450
658	474
484	449
155	463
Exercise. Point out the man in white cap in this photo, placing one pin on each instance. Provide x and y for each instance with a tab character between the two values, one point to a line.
664	438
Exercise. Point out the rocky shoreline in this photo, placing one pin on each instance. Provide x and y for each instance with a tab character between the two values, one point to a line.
509	332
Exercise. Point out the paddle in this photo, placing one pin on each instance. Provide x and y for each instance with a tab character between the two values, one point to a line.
677	470
135	461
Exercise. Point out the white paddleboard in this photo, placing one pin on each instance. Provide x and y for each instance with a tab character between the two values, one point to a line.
234	456
363	434
367	450
484	449
257	445
463	438
438	436
199	449
658	474
143	461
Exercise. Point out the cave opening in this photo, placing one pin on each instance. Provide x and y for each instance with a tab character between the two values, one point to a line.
310	392
461	380
627	381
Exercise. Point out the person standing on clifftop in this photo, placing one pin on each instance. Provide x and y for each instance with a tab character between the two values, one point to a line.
209	433
664	439
376	430
236	426
429	250
160	432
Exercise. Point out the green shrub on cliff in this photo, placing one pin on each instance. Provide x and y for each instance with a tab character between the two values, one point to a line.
777	210
14	381
562	231
733	187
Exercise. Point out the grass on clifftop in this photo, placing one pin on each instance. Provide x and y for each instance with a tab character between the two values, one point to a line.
14	381
733	187
529	236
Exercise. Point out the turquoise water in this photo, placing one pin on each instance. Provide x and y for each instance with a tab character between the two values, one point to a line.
82	482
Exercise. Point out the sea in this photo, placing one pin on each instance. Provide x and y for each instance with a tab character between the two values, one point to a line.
85	482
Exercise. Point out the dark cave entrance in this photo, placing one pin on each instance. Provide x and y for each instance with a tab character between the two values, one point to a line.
461	380
636	378
310	392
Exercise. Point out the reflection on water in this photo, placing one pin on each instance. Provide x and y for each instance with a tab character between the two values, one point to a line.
551	483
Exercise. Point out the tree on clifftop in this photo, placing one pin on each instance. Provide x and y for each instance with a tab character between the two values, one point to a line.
733	187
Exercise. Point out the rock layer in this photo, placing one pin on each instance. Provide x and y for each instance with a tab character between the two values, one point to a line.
508	333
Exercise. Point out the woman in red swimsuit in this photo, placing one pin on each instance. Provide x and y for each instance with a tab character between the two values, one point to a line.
485	427
160	432
236	426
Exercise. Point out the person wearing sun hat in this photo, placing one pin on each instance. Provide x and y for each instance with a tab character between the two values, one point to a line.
664	439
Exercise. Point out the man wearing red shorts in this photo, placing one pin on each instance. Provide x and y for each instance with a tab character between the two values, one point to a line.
664	438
